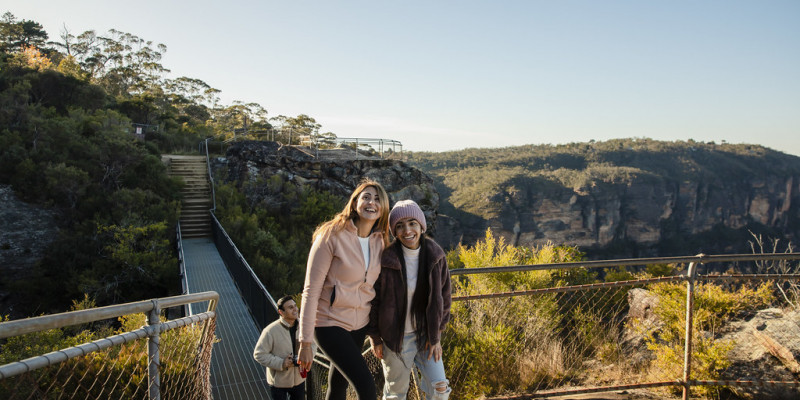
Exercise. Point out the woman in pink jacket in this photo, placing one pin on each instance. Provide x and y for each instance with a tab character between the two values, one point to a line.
343	264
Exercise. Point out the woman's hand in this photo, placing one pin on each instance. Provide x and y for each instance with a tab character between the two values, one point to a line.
435	351
306	356
378	351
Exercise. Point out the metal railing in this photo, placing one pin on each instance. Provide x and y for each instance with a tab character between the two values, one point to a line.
262	306
572	339
177	362
383	145
210	179
182	268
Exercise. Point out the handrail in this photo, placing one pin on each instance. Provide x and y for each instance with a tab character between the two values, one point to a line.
182	266
211	179
259	301
244	261
700	259
54	321
182	259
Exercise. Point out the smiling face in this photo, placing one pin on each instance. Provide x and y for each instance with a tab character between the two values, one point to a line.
409	232
368	206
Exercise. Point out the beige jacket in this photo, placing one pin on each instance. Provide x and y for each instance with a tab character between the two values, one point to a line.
338	289
273	346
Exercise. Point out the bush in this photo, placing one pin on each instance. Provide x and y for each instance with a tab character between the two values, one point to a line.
274	234
505	344
125	364
713	307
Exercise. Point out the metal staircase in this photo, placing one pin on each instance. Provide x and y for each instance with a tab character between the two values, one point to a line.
195	216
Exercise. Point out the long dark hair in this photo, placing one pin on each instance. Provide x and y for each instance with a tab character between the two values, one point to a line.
419	303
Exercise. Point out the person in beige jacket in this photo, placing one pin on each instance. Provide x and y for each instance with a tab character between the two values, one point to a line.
276	350
343	264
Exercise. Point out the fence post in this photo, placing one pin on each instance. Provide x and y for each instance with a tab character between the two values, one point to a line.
153	342
691	274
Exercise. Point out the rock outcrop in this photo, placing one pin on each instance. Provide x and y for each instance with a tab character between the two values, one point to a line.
27	230
765	346
642	211
646	212
261	161
621	198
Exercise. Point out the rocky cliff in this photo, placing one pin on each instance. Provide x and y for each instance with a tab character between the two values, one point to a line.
27	230
338	174
644	198
621	198
650	215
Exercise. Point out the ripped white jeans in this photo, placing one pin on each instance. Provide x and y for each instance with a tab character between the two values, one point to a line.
397	370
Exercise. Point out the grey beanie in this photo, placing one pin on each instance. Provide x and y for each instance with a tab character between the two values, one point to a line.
406	209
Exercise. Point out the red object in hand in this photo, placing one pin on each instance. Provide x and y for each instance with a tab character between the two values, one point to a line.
303	372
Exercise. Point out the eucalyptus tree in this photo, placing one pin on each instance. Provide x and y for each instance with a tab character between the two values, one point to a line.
14	35
293	129
122	63
241	118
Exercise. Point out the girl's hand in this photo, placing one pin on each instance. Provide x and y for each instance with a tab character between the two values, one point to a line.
435	351
378	351
306	356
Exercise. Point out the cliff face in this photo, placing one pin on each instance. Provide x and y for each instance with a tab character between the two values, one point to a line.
645	213
27	230
623	197
626	204
338	174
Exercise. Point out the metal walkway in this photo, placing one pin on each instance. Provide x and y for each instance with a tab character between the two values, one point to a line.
234	372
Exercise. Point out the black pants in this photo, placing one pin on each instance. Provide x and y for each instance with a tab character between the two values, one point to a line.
294	393
343	348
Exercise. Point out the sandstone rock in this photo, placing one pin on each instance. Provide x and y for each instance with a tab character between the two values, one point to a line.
27	230
642	212
767	348
641	322
261	161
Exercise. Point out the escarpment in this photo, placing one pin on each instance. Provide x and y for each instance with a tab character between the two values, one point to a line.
621	198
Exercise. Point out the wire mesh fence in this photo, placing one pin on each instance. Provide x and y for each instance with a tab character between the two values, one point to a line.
613	329
109	358
515	335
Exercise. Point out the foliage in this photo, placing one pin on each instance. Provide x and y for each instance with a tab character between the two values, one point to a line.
522	334
68	109
713	307
14	35
126	363
274	234
478	184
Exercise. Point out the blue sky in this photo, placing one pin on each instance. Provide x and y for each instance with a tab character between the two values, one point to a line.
445	75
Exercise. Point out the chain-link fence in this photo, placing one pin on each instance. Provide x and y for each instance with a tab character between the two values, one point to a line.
607	326
116	352
620	325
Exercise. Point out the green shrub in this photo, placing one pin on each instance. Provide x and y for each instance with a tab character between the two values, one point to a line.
274	234
91	376
712	307
513	344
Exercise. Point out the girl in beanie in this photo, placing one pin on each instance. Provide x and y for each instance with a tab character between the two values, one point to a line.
411	307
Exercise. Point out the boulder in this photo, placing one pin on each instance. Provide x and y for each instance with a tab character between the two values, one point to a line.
27	230
766	348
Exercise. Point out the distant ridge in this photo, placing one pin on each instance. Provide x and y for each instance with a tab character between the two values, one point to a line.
622	197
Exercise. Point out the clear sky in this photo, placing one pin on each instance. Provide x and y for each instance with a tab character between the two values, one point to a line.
446	75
